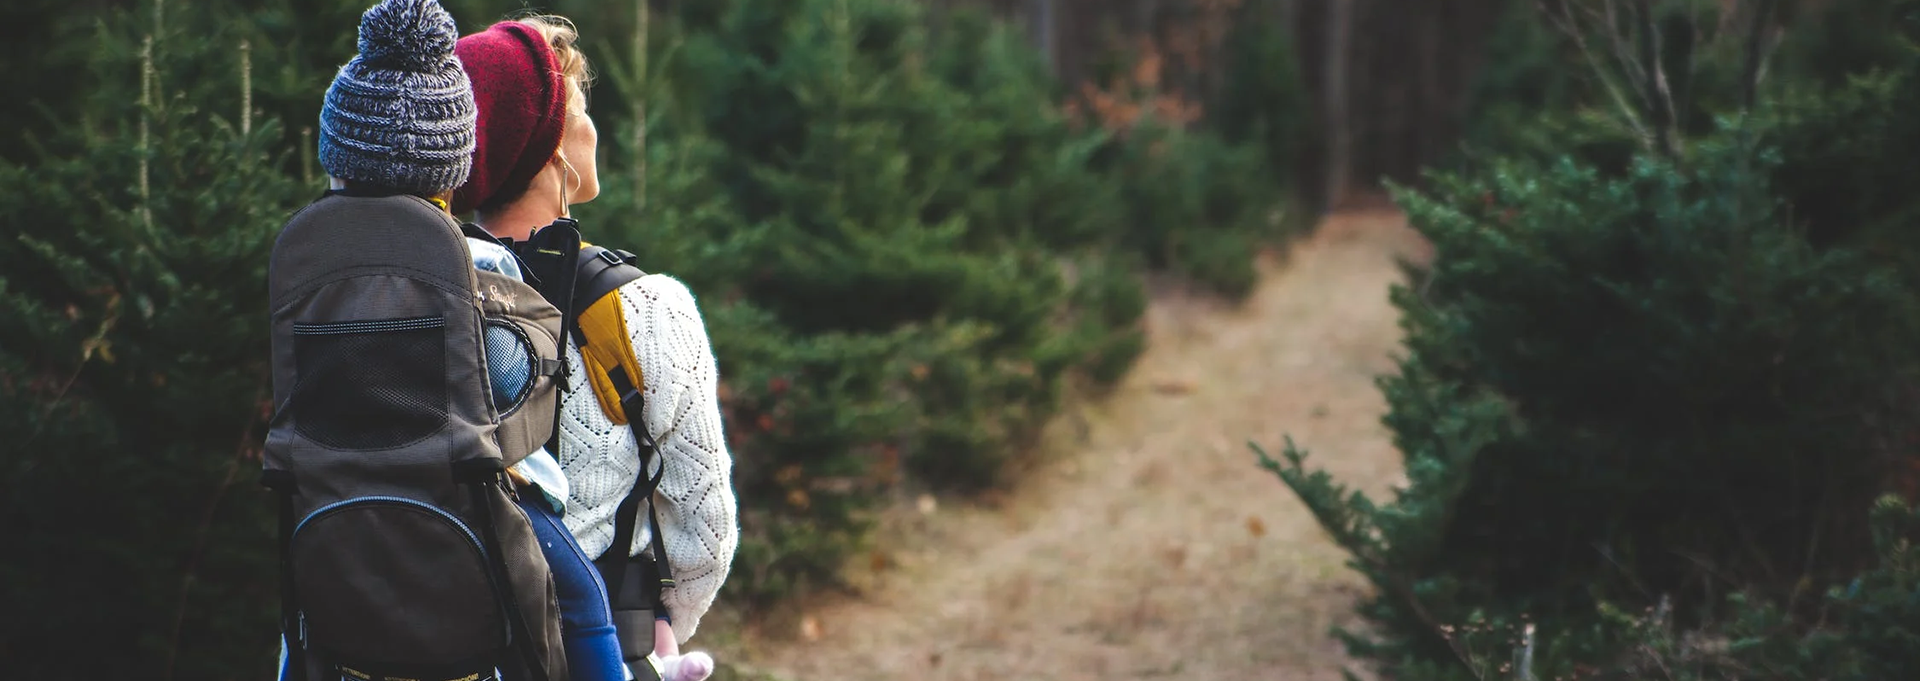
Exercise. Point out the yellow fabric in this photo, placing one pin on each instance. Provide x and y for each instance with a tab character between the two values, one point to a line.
608	344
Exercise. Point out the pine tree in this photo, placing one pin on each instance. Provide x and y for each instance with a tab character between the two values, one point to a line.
132	353
898	245
1632	389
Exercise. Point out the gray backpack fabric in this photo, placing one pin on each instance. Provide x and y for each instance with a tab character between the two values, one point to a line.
403	555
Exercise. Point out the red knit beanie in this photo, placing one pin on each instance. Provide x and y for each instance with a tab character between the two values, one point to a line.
522	101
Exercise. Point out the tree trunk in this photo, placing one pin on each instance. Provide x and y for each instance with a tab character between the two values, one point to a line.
641	17
1435	112
1339	126
1041	23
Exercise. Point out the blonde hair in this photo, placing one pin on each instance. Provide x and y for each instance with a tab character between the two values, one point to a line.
561	35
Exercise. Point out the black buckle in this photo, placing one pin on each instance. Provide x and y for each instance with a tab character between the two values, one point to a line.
609	258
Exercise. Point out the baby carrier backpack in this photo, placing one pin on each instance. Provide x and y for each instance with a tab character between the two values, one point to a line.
402	553
584	281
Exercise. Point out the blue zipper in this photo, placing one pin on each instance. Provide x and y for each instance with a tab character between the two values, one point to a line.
471	537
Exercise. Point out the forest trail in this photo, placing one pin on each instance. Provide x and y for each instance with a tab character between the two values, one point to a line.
1148	542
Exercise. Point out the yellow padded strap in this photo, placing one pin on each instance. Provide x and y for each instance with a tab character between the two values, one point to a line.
608	344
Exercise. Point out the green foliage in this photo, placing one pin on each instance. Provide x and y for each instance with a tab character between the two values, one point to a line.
1841	37
1264	102
1196	205
1646	397
132	374
1845	179
1525	75
1865	631
1541	93
909	251
901	254
1619	389
905	253
1202	200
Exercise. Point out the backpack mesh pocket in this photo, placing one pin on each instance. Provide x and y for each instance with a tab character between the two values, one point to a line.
511	365
375	384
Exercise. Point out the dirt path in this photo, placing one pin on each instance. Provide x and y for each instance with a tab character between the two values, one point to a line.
1150	544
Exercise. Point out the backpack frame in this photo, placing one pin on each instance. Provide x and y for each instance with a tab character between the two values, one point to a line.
402	553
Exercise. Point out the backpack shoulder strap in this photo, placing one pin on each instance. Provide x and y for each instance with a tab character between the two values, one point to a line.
600	331
599	270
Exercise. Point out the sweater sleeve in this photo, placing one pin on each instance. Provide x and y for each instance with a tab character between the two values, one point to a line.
698	512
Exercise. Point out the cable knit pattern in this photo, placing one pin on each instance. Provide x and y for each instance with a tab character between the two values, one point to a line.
698	513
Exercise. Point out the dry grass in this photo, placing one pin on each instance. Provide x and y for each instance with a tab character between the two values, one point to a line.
1148	543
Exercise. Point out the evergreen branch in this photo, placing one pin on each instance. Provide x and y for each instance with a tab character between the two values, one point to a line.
193	561
1758	48
1662	618
1333	505
146	107
1654	77
1567	24
1627	572
93	345
242	452
1623	54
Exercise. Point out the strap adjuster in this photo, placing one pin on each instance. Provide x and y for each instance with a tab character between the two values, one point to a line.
624	385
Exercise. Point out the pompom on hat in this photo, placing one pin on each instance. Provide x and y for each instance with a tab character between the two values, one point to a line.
401	113
522	97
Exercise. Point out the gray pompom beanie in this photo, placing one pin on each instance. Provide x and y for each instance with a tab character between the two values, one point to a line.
401	113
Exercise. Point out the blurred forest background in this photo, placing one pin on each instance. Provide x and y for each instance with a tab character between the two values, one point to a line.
1656	403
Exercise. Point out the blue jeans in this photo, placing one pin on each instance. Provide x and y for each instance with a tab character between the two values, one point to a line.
586	623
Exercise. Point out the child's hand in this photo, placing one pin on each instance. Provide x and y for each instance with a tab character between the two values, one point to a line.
694	666
664	643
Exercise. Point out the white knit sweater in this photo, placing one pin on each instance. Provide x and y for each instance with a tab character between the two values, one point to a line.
696	504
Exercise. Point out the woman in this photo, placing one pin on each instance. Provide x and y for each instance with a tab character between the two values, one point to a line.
534	159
